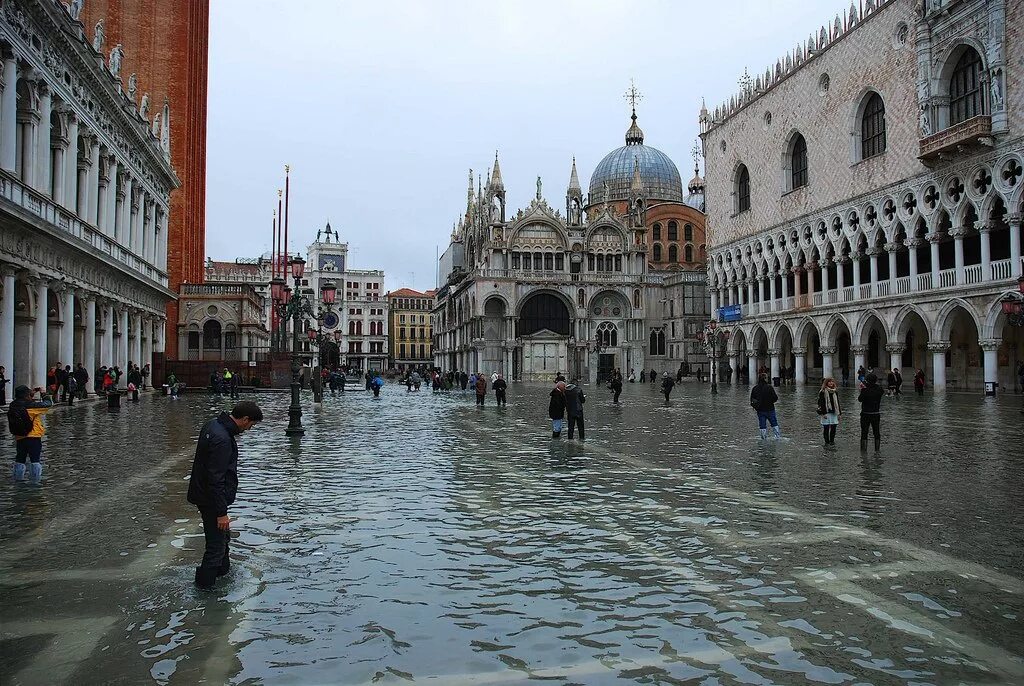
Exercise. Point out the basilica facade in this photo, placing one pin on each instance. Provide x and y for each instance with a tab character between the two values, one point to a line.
585	292
85	184
865	196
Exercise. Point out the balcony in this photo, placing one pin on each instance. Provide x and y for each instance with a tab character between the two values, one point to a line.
973	131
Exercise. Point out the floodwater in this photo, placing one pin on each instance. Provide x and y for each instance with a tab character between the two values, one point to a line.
416	537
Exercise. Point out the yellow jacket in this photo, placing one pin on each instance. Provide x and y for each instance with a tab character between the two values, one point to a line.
36	409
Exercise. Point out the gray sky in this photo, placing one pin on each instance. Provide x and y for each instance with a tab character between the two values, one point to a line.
381	107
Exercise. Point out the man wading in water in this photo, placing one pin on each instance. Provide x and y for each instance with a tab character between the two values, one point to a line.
214	483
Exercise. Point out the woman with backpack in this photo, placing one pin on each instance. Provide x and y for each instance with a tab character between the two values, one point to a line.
556	408
25	424
829	410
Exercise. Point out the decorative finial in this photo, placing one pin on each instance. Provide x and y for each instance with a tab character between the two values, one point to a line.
538	189
279	193
696	158
745	80
633	96
287	168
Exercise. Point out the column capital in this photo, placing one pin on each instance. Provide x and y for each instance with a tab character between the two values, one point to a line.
7	270
774	352
873	252
752	354
732	353
858	349
856	256
990	344
938	346
934	238
958	232
1014	218
892	247
799	351
827	350
984	227
915	242
895	348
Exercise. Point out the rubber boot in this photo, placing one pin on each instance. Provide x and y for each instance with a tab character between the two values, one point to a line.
556	434
778	431
205	578
19	471
864	445
878	443
764	434
36	472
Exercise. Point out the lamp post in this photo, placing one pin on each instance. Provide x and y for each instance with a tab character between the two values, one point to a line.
712	338
317	338
293	305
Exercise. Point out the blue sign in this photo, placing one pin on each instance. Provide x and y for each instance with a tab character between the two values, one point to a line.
730	313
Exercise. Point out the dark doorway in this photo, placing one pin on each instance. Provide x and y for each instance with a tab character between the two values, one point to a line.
605	366
544	311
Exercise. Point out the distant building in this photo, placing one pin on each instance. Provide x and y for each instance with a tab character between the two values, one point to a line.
410	340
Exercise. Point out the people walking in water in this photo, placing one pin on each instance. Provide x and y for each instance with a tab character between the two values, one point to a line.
376	383
556	408
899	380
3	385
499	387
861	374
480	388
870	400
616	385
574	400
82	377
919	382
890	381
829	410
654	375
24	420
763	398
667	383
632	376
214	483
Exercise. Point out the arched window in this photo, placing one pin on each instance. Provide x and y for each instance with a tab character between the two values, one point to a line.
544	311
965	98
657	342
656	231
798	162
657	252
211	335
673	253
688	233
352	328
742	189
636	297
688	253
872	128
673	231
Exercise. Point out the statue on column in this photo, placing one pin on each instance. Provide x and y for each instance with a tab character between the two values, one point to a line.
538	188
97	37
75	9
133	85
116	55
144	107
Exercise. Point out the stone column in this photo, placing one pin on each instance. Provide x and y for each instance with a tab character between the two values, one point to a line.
89	344
82	189
714	302
1015	265
7	321
750	295
856	257
776	362
958	237
986	250
67	329
734	367
44	177
895	351
772	294
810	269
111	210
891	248
728	294
938	350
827	360
873	265
752	367
135	239
934	239
70	181
785	291
800	369
122	347
762	306
858	357
797	290
912	246
107	348
28	120
9	121
161	260
990	347
104	191
824	281
93	184
38	374
127	217
840	276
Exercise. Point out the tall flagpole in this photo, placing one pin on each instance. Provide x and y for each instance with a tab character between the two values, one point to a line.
286	179
282	333
273	275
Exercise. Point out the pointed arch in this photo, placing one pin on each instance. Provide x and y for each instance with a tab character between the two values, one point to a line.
944	319
904	321
864	325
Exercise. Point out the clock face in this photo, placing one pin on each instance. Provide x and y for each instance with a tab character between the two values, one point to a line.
330	320
333	263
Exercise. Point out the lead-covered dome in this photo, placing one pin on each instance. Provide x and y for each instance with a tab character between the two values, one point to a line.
658	173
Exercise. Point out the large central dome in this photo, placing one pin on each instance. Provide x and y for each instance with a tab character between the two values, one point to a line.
658	174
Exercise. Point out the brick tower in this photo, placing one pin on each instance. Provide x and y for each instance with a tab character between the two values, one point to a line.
166	46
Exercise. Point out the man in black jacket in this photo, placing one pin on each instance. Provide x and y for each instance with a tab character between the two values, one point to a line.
214	483
763	398
574	400
870	400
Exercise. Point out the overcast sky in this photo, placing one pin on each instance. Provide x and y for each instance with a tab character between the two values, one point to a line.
381	107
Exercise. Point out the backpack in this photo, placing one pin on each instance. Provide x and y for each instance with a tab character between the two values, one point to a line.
18	420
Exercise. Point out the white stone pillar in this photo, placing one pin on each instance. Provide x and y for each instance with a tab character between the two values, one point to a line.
751	367
1015	264
800	369
161	261
70	185
28	120
824	281
912	245
761	304
44	178
9	120
107	348
7	322
958	245
136	353
785	291
135	240
89	344
750	295
856	273
714	302
122	347
772	296
895	351
986	251
990	347
873	266
67	329
83	167
938	350
734	368
810	269
858	357
93	184
58	151
827	359
840	276
934	240
797	288
891	249
38	375
127	216
111	208
776	363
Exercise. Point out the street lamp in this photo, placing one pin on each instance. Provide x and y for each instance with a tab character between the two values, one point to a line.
712	338
293	308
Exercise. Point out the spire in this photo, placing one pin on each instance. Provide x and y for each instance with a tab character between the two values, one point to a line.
634	136
574	179
637	185
469	192
496	182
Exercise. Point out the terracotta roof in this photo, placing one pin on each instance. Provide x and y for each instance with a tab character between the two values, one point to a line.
410	293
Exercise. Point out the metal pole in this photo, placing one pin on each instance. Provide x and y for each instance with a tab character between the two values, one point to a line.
295	410
714	365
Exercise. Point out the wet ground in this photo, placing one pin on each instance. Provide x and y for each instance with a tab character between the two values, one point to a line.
418	538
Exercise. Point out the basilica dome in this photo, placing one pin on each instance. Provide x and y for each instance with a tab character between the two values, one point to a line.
658	174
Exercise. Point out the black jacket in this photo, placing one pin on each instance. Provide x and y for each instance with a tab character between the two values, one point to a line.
763	397
556	408
499	385
870	399
214	479
667	383
827	404
574	400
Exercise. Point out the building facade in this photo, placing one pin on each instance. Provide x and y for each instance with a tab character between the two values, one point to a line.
582	293
410	343
864	197
168	47
85	185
